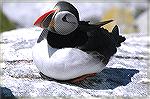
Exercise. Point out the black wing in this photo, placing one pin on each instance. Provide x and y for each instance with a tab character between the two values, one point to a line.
103	42
42	35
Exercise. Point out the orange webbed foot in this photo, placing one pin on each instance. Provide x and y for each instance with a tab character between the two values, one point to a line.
81	78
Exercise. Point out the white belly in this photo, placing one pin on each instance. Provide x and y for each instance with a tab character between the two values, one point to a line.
64	64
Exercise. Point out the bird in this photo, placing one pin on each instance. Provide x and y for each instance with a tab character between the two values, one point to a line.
72	50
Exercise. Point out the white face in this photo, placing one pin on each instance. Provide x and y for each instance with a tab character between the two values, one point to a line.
65	22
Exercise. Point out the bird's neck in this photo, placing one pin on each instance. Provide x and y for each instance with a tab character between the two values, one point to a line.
74	39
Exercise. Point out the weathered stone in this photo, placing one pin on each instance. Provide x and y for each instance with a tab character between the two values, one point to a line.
122	77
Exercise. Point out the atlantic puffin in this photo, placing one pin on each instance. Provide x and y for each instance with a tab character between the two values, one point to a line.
70	49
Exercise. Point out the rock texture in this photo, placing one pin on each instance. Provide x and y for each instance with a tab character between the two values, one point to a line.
126	73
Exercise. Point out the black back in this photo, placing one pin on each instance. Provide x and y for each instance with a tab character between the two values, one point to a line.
100	41
103	42
74	39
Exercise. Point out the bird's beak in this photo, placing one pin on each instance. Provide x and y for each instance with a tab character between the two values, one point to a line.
44	20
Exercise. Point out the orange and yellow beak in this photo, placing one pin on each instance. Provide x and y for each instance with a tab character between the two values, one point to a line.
45	20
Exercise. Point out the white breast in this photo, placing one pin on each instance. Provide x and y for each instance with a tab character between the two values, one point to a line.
64	64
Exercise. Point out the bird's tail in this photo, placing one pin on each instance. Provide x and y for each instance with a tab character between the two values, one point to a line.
118	38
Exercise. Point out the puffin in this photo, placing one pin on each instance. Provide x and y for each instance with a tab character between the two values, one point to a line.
72	50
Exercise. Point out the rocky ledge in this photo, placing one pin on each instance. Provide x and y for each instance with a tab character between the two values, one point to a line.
126	73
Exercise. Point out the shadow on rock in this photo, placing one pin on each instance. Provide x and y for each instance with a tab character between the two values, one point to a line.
109	78
6	93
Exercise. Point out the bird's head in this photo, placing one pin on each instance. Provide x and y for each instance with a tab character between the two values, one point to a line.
63	19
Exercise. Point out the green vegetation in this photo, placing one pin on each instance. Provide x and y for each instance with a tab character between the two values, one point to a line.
5	23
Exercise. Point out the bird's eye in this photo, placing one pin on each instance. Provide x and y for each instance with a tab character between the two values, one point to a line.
64	18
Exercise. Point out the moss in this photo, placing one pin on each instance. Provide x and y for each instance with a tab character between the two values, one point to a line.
5	23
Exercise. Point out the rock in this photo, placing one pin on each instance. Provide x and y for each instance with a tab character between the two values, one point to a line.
122	77
6	93
143	25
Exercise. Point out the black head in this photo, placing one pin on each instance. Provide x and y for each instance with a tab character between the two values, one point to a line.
66	6
63	19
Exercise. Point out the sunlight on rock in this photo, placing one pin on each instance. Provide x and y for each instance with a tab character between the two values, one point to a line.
144	81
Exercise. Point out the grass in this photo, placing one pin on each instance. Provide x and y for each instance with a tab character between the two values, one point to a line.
5	23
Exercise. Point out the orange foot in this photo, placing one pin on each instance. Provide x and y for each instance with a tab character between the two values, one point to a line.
79	79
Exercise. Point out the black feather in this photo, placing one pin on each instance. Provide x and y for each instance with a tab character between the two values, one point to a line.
118	39
42	35
66	6
74	39
103	42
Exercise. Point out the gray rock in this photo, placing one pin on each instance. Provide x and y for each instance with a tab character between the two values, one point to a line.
122	77
6	93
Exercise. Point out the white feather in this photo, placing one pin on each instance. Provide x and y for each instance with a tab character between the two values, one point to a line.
64	64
